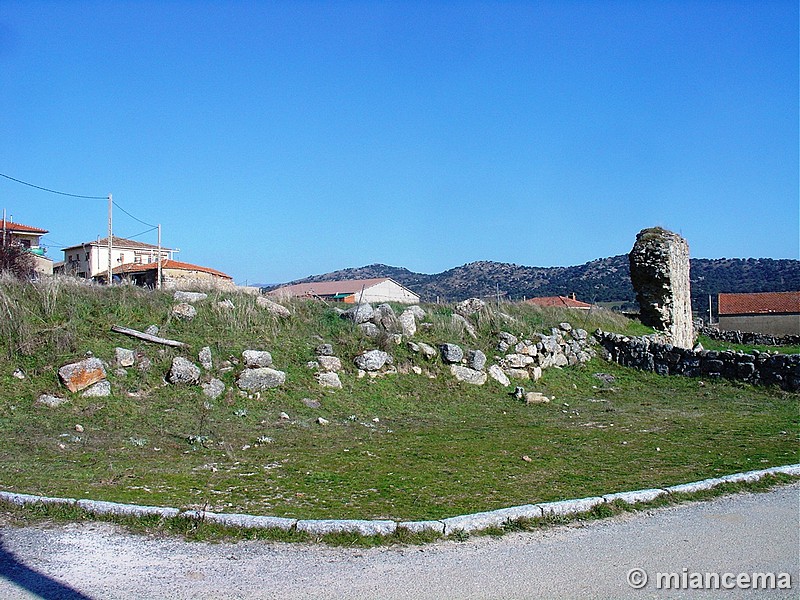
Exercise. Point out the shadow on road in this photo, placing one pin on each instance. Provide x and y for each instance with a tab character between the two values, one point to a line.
34	582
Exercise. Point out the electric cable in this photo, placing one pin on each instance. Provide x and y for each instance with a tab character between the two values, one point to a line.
38	187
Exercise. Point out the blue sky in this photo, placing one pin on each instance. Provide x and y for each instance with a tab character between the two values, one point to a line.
275	140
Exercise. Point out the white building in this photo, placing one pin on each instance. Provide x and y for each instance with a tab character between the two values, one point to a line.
90	259
351	291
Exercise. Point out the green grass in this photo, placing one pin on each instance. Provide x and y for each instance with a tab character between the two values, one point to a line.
405	447
712	344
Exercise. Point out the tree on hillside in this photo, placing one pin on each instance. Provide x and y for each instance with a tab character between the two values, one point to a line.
16	260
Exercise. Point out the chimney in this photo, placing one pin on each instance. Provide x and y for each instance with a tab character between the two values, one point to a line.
573	296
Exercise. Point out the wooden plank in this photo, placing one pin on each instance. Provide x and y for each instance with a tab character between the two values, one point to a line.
146	336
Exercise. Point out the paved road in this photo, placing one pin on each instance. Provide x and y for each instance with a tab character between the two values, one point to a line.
740	534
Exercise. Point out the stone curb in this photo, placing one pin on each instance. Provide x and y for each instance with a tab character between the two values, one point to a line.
324	526
464	523
239	520
100	507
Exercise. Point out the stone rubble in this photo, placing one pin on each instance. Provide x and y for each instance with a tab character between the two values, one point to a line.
184	311
80	375
190	297
183	371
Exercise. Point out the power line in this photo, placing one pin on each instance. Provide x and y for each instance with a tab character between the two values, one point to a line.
130	237
51	242
38	187
134	218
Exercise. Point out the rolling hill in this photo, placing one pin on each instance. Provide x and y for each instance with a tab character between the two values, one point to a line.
605	280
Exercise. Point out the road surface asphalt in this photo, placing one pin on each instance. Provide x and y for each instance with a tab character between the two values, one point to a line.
740	534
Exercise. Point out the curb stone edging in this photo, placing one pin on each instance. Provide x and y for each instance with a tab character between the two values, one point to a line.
363	527
462	523
239	520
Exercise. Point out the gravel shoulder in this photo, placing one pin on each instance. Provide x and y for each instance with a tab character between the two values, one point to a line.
743	533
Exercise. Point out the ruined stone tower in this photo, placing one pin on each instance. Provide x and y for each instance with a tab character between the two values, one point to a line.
660	276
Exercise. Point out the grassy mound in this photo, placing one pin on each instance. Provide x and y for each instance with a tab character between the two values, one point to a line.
402	446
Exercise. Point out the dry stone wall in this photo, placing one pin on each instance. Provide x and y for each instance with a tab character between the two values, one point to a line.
651	353
749	338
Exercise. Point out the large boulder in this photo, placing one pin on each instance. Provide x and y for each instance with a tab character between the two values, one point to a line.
369	329
101	389
451	353
256	358
428	351
260	379
384	317
51	401
213	389
467	375
417	311
476	360
659	263
372	360
324	350
184	311
496	373
329	379
82	374
470	306
329	363
190	297
124	357
273	308
183	371
517	361
408	322
205	358
360	313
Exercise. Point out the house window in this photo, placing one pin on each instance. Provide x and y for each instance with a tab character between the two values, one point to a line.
87	257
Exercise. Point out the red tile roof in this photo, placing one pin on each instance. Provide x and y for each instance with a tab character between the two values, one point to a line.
167	264
19	227
327	288
118	242
759	304
562	301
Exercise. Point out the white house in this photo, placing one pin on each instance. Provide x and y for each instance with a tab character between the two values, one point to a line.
90	259
351	291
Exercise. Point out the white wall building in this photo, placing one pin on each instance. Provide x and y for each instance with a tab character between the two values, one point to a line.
90	259
351	291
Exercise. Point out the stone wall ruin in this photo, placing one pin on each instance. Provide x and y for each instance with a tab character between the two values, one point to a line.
659	264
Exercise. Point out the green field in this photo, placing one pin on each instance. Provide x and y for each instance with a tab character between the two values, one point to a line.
402	446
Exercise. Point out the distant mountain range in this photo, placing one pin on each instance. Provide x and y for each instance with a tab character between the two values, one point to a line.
606	280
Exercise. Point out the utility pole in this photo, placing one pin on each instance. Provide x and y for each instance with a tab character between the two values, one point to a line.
4	228
709	310
158	282
110	243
